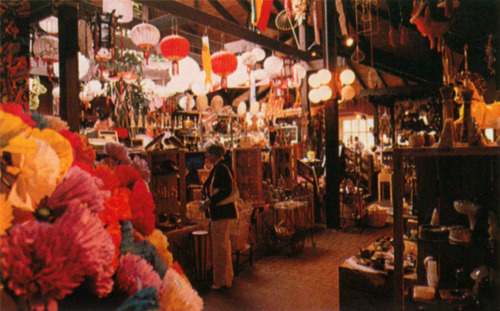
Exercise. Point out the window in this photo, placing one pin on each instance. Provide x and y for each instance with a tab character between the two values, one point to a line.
358	126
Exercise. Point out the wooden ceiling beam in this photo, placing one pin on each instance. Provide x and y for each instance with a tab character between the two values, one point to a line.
356	74
380	78
222	11
202	18
278	5
410	90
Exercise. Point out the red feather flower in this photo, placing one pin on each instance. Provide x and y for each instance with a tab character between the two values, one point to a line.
108	176
143	216
117	207
127	175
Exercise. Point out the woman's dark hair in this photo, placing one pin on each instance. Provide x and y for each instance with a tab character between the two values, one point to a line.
103	115
214	147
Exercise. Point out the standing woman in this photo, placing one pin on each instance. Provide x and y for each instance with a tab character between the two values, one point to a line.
220	203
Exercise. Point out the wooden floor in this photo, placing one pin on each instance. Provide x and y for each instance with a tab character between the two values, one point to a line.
308	281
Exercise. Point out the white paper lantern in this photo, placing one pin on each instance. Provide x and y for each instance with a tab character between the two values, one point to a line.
50	25
197	88
314	96
259	53
95	88
145	36
189	69
314	80
237	78
254	108
347	92
299	71
325	76
178	84
123	8
248	59
325	92
260	74
242	108
83	65
347	77
273	65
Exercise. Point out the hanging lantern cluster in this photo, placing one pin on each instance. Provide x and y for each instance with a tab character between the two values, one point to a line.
224	63
145	36
347	78
320	91
174	48
46	48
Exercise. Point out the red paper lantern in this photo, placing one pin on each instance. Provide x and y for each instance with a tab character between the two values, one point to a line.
174	48
224	63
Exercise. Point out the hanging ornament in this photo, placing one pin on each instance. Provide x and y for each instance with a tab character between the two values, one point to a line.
102	56
224	63
47	49
104	26
174	48
50	25
145	36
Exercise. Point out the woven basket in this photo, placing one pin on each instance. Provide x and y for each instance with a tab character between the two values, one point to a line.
377	218
240	229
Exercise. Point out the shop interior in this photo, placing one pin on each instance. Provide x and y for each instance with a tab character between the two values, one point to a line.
342	116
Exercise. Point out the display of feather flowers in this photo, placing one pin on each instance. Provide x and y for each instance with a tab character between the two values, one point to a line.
67	225
178	294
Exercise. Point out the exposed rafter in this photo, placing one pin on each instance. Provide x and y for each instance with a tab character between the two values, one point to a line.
358	76
380	78
202	18
222	11
400	90
278	5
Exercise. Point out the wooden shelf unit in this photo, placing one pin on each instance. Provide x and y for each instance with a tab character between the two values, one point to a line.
443	176
284	166
247	167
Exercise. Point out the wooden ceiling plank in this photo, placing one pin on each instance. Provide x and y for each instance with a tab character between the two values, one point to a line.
400	90
380	78
356	73
245	5
196	16
278	5
222	11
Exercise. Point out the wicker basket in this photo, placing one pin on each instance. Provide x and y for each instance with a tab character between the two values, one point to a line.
376	216
240	229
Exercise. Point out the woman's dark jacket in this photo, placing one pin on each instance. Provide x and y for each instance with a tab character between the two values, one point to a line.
222	180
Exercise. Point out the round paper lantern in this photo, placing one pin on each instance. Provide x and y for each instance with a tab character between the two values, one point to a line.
242	108
260	74
123	9
248	59
299	71
347	77
273	65
145	36
237	78
348	92
83	65
259	53
178	85
50	25
325	92
47	48
197	88
314	96
224	63
189	69
325	76
174	48
254	108
314	80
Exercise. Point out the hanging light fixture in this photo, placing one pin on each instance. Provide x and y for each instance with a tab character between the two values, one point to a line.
47	49
103	28
50	25
145	36
224	63
174	48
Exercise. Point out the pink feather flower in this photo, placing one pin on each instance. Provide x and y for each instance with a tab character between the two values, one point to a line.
134	274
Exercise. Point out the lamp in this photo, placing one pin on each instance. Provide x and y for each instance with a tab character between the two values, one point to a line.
50	25
47	49
174	48
145	36
103	27
347	77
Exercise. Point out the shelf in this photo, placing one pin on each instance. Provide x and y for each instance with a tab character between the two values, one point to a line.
456	151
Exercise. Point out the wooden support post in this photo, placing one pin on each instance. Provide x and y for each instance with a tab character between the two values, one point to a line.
68	66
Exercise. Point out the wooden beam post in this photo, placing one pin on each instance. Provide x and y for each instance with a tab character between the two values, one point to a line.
68	66
333	174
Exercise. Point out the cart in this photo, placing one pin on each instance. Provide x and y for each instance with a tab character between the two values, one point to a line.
286	230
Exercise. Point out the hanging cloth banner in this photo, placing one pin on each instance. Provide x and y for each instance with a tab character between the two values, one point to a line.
206	62
262	13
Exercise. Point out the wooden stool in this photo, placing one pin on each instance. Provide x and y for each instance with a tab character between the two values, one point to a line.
247	252
384	178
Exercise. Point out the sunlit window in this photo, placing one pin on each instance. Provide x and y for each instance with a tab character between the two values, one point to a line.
358	126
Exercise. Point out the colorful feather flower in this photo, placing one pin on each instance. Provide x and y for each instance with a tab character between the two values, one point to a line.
178	294
42	263
127	175
142	166
78	185
135	273
37	178
18	111
144	300
116	207
143	216
160	242
144	249
11	140
84	153
117	152
6	214
108	176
